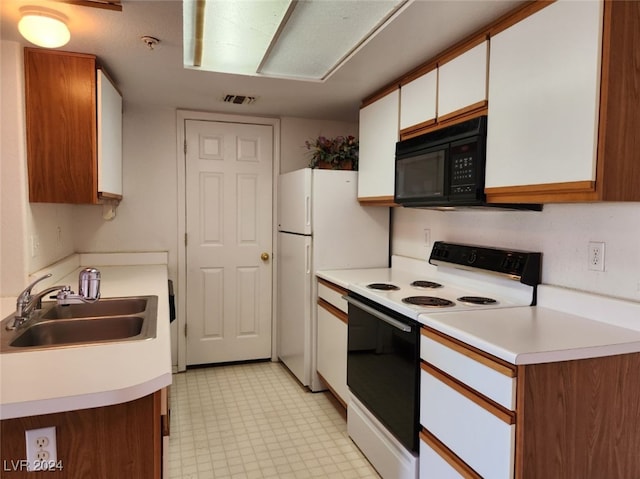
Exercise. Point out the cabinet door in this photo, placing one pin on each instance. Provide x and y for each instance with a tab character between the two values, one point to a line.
544	81
332	351
379	123
60	104
109	137
466	424
418	101
462	83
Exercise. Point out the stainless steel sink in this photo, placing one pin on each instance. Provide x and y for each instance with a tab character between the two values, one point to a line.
103	307
107	320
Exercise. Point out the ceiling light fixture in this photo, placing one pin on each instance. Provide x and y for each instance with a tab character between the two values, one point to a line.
43	27
296	39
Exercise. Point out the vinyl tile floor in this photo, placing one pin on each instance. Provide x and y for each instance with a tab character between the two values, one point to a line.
253	421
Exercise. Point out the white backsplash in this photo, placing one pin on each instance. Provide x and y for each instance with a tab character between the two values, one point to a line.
560	232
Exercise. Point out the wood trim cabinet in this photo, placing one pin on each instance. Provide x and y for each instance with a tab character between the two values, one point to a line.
576	418
562	129
123	440
332	339
74	129
379	123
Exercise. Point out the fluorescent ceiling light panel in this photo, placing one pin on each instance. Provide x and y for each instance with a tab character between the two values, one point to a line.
298	39
320	33
237	33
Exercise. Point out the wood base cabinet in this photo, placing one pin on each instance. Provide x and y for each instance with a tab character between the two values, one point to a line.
123	440
575	419
74	129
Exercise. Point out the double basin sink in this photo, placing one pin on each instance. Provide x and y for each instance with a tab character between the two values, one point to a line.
107	320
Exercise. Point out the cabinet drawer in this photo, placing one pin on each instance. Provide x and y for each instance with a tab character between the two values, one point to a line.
482	438
438	462
332	294
493	379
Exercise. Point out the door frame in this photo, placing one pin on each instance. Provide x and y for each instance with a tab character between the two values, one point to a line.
181	302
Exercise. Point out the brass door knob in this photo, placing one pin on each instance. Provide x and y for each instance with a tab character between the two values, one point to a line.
264	256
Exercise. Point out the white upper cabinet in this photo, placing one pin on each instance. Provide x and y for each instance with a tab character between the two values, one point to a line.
109	106
418	100
379	123
544	97
457	86
462	82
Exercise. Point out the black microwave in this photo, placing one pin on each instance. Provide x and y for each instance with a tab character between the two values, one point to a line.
445	167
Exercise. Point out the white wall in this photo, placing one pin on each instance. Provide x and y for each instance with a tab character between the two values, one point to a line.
295	131
147	217
560	232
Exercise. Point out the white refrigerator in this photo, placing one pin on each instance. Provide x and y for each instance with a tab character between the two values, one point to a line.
321	225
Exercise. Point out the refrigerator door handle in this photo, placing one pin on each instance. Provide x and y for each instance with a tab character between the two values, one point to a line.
308	259
307	200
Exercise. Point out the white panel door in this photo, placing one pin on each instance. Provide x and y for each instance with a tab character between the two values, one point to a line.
229	226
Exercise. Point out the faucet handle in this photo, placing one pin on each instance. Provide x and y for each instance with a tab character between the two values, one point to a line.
27	291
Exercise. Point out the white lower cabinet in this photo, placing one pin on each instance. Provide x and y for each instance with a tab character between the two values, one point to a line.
434	465
466	432
482	440
331	360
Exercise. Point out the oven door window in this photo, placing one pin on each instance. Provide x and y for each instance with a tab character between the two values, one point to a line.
421	176
383	370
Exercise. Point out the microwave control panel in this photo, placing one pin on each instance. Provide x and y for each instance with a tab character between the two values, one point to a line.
464	168
463	174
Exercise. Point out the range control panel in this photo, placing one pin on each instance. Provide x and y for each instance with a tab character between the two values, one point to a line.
523	266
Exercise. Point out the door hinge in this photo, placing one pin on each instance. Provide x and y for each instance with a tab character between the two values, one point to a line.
185	146
185	330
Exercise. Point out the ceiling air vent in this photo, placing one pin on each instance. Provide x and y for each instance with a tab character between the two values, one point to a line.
239	99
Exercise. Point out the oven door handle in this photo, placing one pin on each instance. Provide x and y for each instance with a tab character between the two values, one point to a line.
387	319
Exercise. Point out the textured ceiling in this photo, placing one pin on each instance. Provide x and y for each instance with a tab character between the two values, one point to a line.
157	77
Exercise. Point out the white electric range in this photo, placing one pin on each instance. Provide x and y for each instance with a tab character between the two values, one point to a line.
466	278
386	308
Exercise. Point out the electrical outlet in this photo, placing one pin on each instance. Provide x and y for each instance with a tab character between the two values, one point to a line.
41	447
427	236
35	245
596	256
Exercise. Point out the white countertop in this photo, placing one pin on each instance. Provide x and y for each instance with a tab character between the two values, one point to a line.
80	377
565	325
534	334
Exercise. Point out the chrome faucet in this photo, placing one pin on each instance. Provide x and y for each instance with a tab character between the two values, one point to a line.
27	303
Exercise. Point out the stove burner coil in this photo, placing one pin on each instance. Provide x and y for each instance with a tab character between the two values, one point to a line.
428	301
383	286
477	300
426	284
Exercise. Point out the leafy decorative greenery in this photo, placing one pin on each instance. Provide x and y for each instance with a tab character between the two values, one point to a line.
339	153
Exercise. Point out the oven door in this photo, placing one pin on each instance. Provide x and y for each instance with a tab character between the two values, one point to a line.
383	366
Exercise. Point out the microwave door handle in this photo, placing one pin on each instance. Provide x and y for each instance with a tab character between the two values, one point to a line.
387	319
